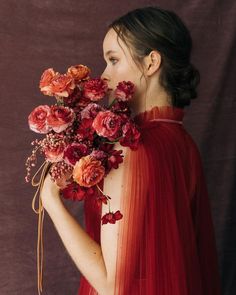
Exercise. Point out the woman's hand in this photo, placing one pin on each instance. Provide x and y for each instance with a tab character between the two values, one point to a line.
50	193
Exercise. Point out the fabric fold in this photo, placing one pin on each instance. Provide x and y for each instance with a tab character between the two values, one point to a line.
166	243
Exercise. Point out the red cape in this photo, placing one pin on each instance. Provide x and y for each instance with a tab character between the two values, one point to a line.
166	240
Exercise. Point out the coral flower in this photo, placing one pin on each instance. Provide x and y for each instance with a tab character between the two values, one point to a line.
88	171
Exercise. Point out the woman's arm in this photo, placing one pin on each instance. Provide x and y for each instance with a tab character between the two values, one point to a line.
84	251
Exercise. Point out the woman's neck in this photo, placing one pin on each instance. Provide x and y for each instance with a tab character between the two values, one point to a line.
144	104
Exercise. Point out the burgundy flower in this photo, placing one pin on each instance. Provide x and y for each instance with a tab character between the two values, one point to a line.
95	89
115	159
111	217
121	107
73	98
85	130
82	103
106	147
90	111
131	136
101	199
75	192
74	152
124	91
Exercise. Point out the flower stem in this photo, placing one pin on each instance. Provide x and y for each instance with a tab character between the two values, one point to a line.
113	102
99	189
111	142
105	196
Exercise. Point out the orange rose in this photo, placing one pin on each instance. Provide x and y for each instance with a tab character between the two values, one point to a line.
79	72
62	85
88	171
45	81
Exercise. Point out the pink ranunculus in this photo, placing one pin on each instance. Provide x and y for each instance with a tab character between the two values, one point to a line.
60	118
124	91
45	81
74	152
37	119
95	89
62	85
107	124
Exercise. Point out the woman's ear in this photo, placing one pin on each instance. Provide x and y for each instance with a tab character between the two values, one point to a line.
152	62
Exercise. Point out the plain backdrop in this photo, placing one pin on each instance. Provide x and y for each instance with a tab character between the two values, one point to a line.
38	34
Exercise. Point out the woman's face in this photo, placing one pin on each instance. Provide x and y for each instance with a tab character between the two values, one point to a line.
120	65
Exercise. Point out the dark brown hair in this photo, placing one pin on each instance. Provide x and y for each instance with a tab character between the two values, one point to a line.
153	28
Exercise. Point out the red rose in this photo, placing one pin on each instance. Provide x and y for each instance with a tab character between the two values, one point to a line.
124	91
95	89
74	152
45	81
62	85
111	217
37	119
60	118
107	124
131	136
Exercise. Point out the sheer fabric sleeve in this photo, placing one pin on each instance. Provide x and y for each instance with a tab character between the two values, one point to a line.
205	234
166	239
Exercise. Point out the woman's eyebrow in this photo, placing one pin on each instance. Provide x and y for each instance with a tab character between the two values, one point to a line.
109	51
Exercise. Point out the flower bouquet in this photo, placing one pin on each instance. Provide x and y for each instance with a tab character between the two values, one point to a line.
79	137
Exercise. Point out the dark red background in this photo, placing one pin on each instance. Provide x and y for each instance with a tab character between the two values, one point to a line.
38	34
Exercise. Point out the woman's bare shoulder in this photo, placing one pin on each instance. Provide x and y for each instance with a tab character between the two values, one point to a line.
114	177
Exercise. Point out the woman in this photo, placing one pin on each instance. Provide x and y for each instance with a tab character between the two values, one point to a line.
165	242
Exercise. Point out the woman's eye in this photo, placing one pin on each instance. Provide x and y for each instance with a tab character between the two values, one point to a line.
112	60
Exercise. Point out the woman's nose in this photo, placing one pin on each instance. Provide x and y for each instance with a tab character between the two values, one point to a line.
104	75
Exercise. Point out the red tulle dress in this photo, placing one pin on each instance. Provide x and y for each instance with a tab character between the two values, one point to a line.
166	243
